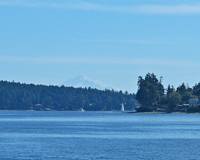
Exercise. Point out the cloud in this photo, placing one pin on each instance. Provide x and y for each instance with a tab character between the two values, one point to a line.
170	9
98	7
126	41
86	60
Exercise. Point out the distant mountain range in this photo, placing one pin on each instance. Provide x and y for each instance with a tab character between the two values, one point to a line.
84	82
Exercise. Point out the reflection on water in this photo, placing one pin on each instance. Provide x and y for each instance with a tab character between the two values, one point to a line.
98	135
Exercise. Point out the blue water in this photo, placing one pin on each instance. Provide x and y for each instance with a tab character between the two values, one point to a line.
98	136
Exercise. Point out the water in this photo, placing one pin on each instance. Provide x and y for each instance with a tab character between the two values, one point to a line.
98	136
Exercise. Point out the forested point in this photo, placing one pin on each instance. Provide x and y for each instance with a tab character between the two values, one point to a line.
18	96
153	96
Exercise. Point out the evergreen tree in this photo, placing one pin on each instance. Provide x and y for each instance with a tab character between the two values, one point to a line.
150	92
173	99
196	90
185	93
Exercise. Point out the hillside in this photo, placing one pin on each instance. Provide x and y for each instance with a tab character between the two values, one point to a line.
18	96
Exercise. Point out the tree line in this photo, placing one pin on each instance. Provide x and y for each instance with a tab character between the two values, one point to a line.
153	96
19	96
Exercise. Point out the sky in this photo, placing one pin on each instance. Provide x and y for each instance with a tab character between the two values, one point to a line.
112	41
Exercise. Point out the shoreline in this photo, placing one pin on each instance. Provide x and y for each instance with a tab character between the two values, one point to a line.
138	113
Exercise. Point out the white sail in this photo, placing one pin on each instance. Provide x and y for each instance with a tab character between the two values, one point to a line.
82	110
122	108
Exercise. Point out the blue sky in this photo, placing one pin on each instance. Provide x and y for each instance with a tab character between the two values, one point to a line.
115	41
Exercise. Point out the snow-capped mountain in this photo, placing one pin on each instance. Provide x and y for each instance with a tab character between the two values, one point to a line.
84	82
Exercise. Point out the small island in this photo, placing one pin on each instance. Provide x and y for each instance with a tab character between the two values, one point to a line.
154	97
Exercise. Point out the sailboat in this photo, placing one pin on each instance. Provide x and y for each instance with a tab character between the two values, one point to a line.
82	110
122	107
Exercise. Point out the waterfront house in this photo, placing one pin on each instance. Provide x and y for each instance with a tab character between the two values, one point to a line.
194	102
182	108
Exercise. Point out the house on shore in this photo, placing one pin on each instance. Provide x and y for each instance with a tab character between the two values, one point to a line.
193	105
194	102
182	108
